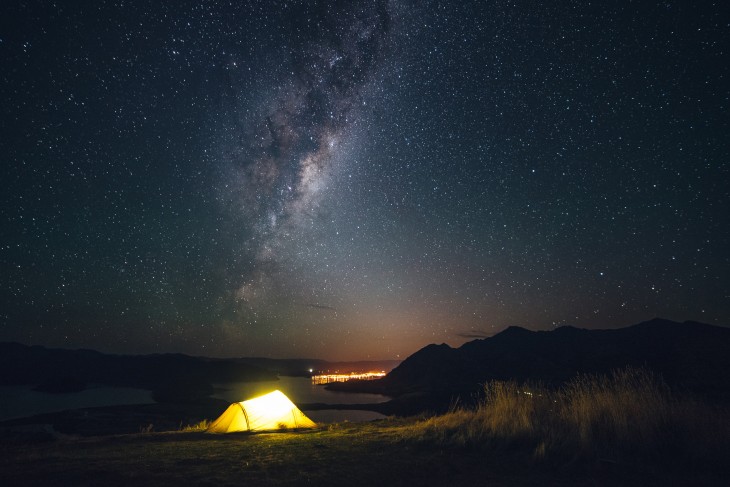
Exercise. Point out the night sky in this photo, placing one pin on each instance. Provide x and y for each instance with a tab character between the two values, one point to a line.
357	179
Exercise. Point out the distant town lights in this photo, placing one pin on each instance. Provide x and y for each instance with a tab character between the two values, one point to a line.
327	378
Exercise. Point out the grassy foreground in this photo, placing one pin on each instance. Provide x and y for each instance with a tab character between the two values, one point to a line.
628	418
622	430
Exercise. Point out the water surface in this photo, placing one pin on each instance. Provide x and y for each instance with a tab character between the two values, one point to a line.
23	401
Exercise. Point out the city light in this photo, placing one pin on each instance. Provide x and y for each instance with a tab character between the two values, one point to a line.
327	378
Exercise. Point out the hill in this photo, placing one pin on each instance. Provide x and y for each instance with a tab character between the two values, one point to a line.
689	356
171	377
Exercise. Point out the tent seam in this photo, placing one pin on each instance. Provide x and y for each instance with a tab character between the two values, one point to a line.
243	409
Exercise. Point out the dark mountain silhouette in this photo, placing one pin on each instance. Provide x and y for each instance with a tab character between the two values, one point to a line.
689	356
171	377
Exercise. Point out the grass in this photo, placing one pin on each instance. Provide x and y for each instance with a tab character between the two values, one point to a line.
200	426
626	429
630	417
344	454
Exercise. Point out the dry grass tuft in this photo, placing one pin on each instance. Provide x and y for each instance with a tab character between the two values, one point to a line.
197	427
628	417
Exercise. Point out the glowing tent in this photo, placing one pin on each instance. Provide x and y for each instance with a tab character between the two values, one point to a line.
272	411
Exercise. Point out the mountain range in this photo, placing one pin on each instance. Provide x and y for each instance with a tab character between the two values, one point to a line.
689	356
170	377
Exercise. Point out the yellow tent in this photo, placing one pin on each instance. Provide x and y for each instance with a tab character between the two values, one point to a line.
272	411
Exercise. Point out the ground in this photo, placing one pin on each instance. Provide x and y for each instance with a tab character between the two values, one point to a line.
346	454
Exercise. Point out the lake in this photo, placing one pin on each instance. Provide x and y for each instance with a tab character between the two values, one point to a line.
301	391
23	401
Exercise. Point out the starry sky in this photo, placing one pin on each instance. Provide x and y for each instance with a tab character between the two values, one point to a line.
357	179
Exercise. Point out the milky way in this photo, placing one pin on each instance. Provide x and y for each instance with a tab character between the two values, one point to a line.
280	165
359	179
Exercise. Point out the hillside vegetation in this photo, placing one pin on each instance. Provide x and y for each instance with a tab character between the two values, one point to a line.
689	356
629	417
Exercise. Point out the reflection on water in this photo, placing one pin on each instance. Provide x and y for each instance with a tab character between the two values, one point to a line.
22	401
301	391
